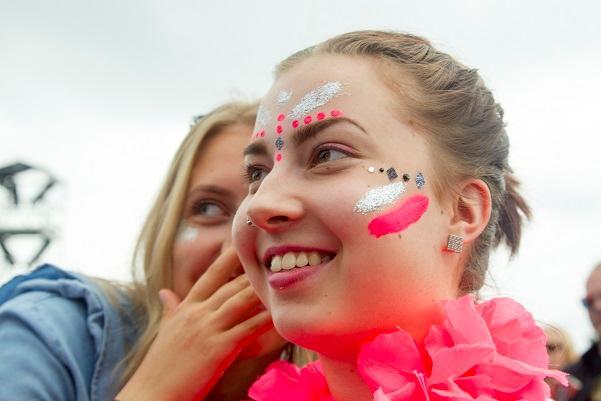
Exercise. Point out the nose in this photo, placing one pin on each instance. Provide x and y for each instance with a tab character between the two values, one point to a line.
277	204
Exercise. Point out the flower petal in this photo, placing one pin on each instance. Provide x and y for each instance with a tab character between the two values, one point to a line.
389	361
449	363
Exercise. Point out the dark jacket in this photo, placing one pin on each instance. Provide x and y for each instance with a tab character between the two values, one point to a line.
588	371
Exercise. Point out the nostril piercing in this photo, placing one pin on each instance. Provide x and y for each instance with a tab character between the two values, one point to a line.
249	221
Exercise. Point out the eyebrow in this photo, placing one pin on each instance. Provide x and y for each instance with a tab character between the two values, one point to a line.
212	189
256	148
304	133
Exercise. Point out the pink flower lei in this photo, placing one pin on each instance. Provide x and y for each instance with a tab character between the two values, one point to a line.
488	352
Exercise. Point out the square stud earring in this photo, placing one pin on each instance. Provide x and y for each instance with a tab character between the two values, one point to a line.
455	243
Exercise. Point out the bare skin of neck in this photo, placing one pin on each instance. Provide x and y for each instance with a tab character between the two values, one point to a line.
344	380
234	384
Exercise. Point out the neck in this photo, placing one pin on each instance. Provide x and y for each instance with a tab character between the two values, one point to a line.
344	380
237	379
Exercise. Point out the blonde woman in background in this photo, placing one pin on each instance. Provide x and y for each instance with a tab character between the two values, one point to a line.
559	347
561	354
189	327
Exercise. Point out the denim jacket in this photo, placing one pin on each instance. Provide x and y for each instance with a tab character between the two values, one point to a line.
60	338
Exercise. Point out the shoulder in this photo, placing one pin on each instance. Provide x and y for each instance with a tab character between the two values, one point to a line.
589	364
63	326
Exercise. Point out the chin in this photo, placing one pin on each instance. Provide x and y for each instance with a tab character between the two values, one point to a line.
327	337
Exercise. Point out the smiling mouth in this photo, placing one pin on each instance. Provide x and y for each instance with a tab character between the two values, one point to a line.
294	260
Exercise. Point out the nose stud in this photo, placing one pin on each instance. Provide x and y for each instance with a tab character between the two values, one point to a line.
248	221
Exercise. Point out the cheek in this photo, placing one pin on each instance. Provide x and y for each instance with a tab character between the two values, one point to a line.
191	258
244	241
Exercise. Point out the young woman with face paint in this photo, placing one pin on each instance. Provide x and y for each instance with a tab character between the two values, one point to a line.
209	338
378	184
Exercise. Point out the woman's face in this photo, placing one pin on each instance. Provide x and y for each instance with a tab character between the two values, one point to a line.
322	194
556	348
215	191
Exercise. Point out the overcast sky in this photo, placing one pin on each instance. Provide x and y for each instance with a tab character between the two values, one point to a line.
101	93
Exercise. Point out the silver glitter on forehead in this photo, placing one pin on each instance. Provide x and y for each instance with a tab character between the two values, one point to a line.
284	96
378	197
186	233
316	98
263	116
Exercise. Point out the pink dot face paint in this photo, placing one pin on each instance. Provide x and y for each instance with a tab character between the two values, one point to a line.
399	218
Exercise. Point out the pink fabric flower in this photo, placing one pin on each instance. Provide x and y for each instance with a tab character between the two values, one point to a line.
490	352
284	381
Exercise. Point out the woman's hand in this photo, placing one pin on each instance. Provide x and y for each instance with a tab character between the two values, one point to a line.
200	336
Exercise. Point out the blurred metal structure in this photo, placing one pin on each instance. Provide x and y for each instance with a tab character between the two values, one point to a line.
24	216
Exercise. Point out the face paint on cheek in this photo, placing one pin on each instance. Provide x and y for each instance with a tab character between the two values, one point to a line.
378	197
399	218
420	181
186	233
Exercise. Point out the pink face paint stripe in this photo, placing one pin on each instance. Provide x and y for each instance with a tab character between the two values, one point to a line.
399	218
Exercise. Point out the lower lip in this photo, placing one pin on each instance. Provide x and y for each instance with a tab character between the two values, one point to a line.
288	278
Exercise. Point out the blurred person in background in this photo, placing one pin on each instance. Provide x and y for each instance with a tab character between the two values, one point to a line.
559	347
188	327
587	371
561	354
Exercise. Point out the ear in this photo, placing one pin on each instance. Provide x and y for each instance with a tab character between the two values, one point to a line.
471	210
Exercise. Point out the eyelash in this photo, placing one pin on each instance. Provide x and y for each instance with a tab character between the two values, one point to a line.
314	161
250	170
197	206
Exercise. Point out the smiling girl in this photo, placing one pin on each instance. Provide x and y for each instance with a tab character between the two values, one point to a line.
378	184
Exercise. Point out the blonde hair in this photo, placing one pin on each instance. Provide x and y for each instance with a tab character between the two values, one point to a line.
152	261
460	119
569	355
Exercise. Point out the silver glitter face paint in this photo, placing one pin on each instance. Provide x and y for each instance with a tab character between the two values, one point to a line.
316	98
186	233
378	197
420	181
263	116
284	96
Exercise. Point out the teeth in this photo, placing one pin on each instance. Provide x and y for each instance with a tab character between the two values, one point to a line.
302	259
314	258
290	260
276	264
